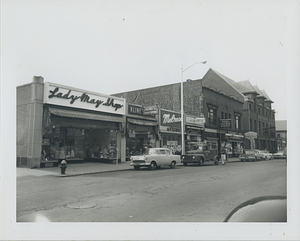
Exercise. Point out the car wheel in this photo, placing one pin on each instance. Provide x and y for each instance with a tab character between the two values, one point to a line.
172	165
136	168
217	161
152	166
255	159
185	163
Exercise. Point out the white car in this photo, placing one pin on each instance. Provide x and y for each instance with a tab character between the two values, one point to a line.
265	155
279	155
155	158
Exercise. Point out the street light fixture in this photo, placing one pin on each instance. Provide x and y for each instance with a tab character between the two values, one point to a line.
182	125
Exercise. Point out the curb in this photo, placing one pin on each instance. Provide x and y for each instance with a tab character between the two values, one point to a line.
89	173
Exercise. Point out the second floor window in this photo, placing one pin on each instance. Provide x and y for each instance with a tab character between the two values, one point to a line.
212	116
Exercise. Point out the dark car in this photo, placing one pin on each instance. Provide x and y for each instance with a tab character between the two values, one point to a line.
200	153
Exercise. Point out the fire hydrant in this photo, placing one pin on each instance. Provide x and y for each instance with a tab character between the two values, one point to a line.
63	167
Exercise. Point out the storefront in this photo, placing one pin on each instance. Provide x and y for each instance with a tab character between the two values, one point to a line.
141	129
234	143
170	130
82	126
194	128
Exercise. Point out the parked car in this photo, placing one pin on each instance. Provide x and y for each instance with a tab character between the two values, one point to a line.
265	155
155	158
279	155
201	153
250	155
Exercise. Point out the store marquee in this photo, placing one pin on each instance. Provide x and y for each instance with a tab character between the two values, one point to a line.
70	97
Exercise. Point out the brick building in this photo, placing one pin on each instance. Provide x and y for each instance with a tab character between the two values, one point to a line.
258	116
236	112
211	97
281	135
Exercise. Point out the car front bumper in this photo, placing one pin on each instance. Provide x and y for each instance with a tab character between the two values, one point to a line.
140	164
247	158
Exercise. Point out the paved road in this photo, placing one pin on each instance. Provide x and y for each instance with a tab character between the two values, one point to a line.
183	194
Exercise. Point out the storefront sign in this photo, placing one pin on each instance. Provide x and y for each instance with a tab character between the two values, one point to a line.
141	111
135	110
170	119
251	135
195	120
225	123
231	136
150	110
66	96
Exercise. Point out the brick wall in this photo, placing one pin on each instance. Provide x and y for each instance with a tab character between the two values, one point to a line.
168	97
224	104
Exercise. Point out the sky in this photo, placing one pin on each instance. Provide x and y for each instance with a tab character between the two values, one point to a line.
116	46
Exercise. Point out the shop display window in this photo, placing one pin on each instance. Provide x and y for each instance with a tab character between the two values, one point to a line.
79	143
137	145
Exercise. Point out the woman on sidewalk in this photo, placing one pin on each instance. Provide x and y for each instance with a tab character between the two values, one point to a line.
61	153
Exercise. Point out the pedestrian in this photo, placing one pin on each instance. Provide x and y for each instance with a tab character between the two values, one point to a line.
61	153
223	155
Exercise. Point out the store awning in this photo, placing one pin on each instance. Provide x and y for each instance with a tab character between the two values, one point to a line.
84	115
142	122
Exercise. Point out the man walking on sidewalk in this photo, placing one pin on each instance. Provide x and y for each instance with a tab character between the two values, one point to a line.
223	155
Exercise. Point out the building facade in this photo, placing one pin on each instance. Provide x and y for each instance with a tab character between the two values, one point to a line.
211	98
237	114
281	135
258	117
57	122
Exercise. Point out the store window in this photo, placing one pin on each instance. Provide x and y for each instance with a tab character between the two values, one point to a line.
79	143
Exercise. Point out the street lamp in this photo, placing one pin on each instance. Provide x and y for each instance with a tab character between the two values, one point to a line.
182	125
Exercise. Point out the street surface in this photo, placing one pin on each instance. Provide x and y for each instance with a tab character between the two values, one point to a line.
185	194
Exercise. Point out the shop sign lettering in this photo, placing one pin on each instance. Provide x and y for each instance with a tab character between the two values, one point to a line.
135	110
225	123
195	120
66	96
167	118
170	119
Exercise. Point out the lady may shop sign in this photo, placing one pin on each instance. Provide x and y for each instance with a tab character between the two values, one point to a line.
66	96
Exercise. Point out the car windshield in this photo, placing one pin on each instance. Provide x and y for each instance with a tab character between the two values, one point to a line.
264	151
249	152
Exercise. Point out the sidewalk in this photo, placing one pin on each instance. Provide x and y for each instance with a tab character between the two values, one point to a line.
75	169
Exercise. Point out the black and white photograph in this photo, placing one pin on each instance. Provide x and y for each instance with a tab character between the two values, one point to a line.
150	120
